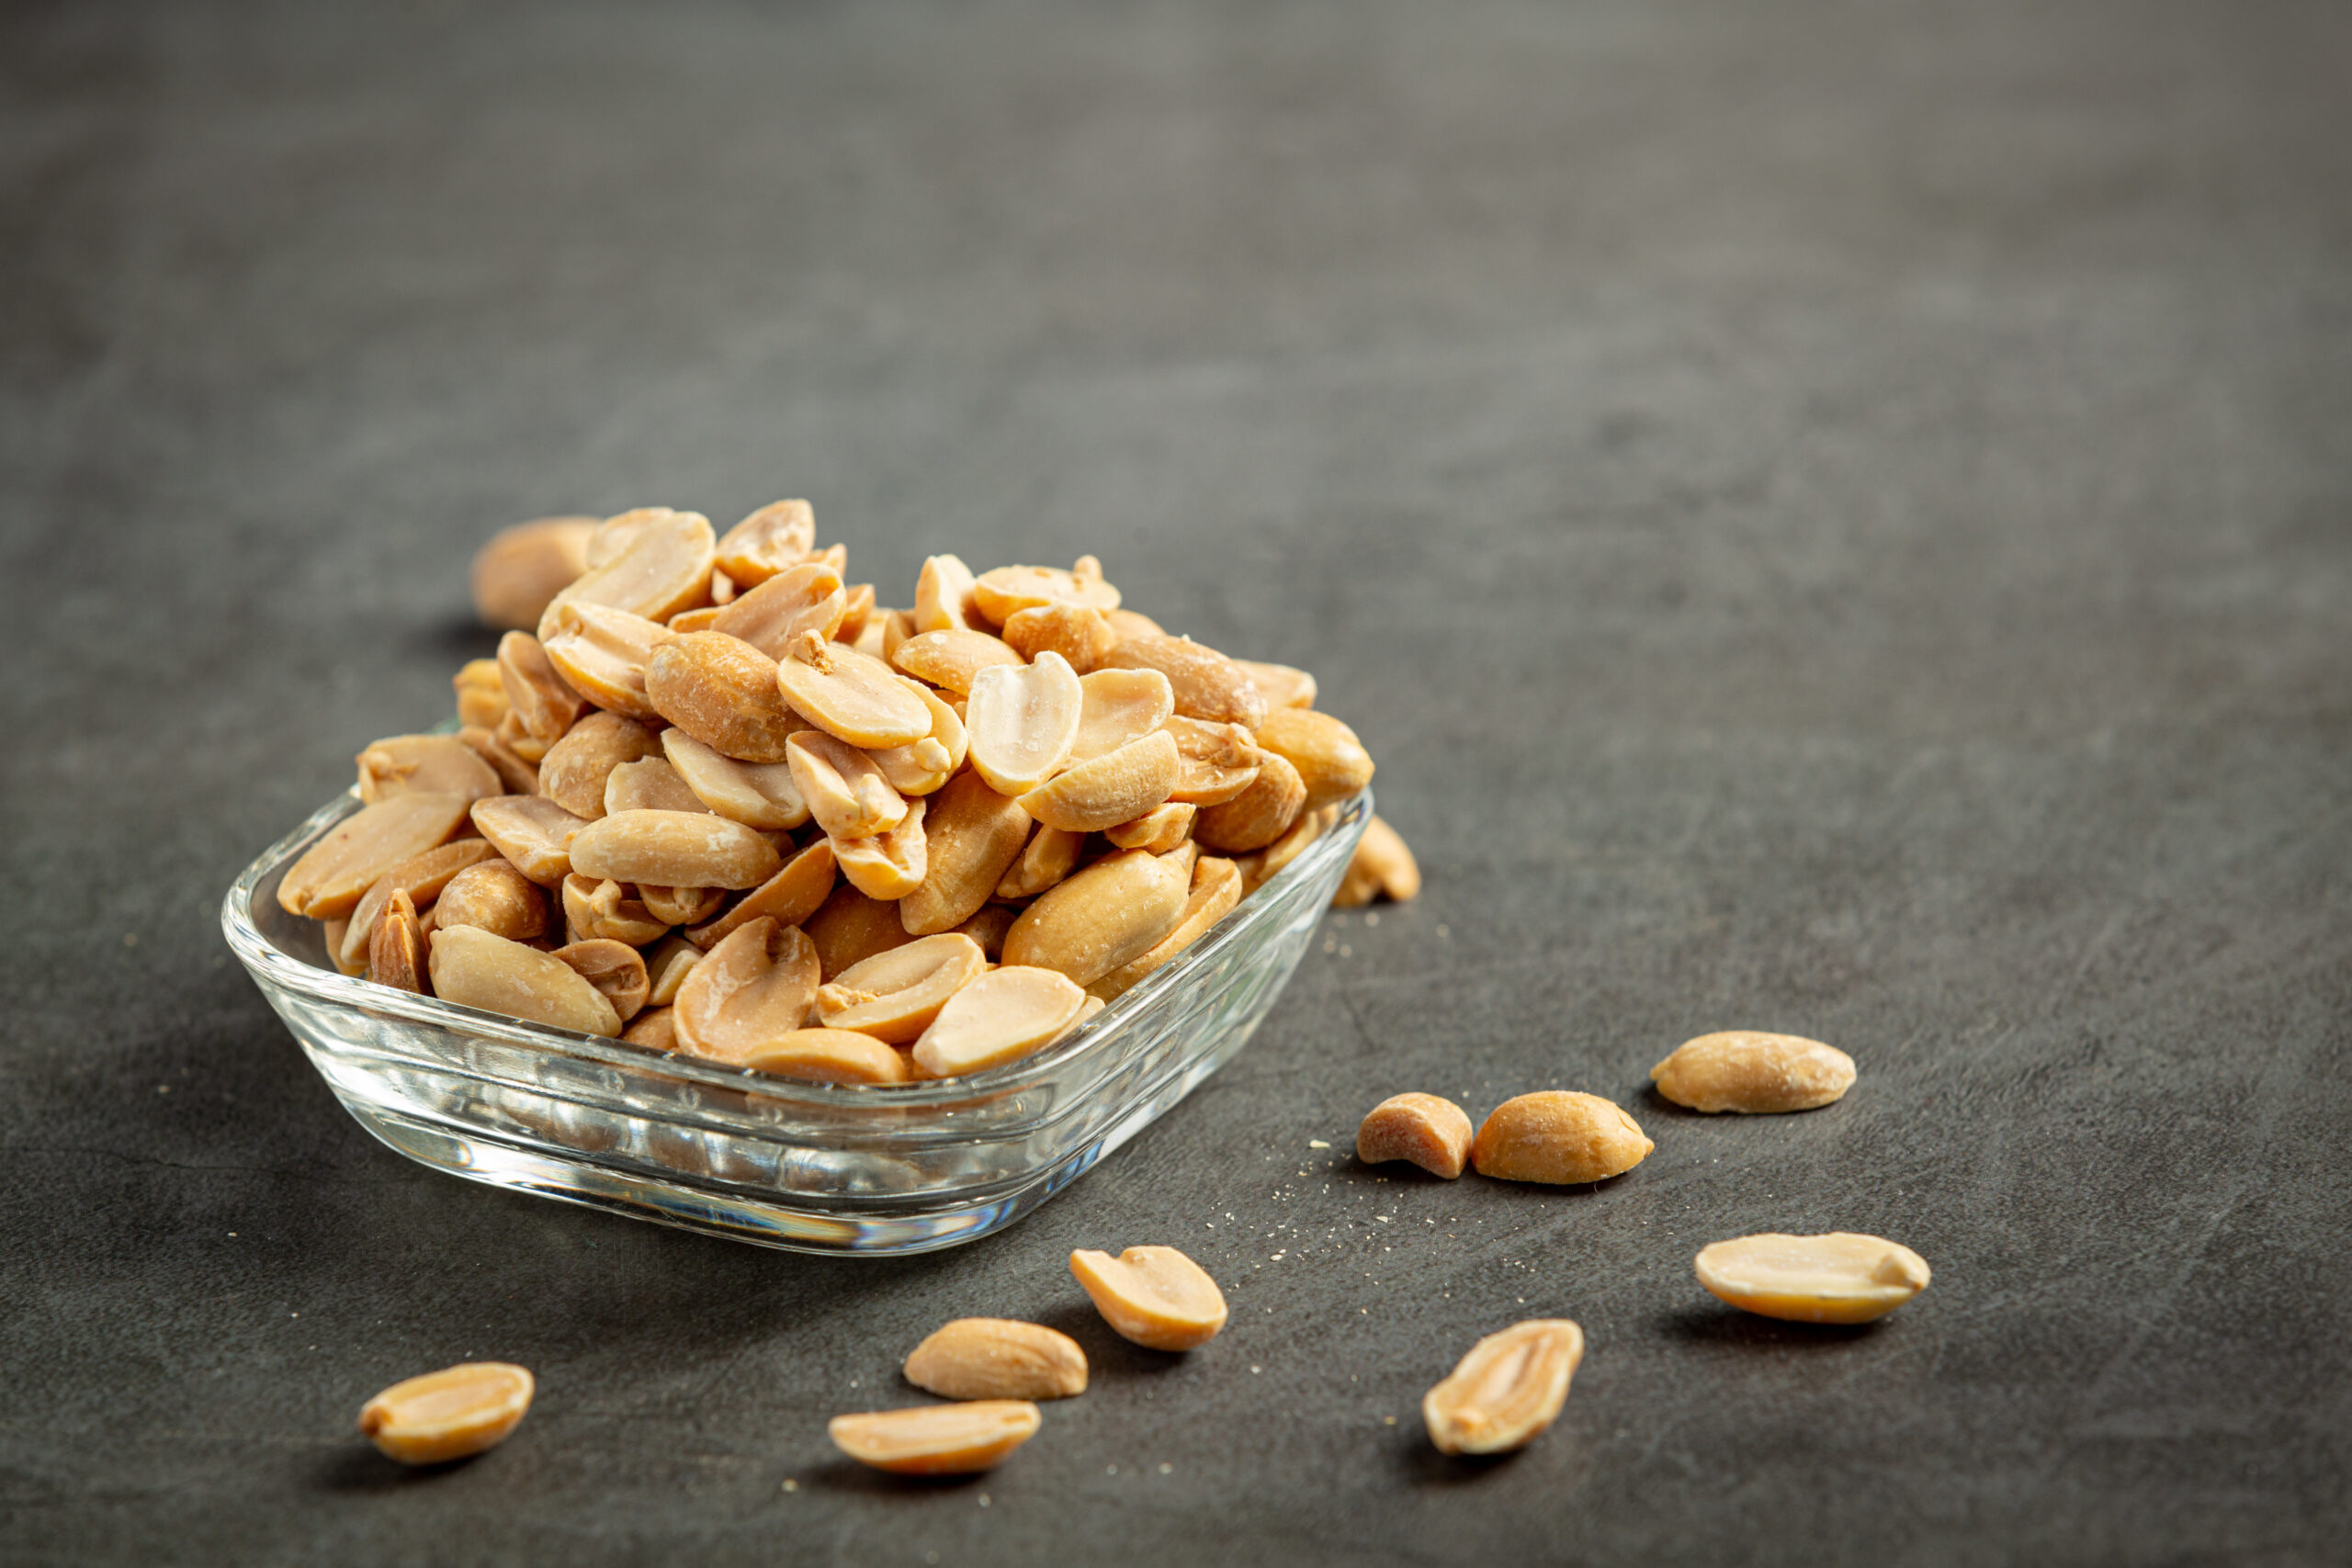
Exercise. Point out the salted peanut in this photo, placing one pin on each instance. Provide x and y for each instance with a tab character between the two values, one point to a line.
776	539
850	928
1507	1390
930	761
1083	637
704	619
1009	590
972	836
522	568
1023	720
895	996
998	1358
757	794
721	691
615	968
533	832
1110	914
602	653
1427	1129
396	948
772	616
1209	686
832	1055
451	1413
887	631
575	769
541	703
1262	867
1159	830
1281	686
667	965
1118	707
1220	761
889	864
430	764
495	897
650	783
1087	1011
421	878
1836	1278
846	793
662	566
511	734
723	590
1215	889
614	534
944	597
1261	813
989	926
1381	864
937	1440
674	848
476	969
789	897
599	909
334	935
327	882
848	695
1154	1296
952	659
1050	855
858	610
682	906
748	992
1109	790
482	695
1131	623
519	776
1558	1136
1754	1074
656	1029
1004	1015
1325	754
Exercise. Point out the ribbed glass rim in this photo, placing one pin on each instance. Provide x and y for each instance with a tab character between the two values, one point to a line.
1089	1045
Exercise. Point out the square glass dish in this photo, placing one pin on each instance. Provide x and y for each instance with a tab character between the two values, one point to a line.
813	1167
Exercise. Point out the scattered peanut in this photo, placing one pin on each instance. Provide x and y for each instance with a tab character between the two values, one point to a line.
996	1358
1155	1296
1382	864
1558	1136
448	1414
1428	1130
937	1440
523	567
1507	1390
1756	1074
1836	1278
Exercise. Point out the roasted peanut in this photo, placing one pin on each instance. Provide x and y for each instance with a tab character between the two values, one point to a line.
1083	637
1381	864
519	776
952	659
972	836
1427	1129
482	695
758	794
889	864
683	905
808	600
523	567
703	619
421	878
930	761
650	783
1050	855
450	1415
667	965
539	700
327	882
997	1358
1155	1296
1836	1278
1756	1074
1159	830
427	764
830	1056
1002	1017
748	992
495	897
1130	622
1263	812
533	832
1262	867
1507	1390
1215	889
1009	590
1109	789
602	653
944	598
937	1440
396	947
1281	686
989	926
1558	1136
895	996
846	793
511	734
1021	721
475	969
721	691
662	565
575	768
849	694
1220	761
1209	686
615	968
1327	757
600	908
849	928
616	532
1110	914
776	539
858	610
674	848
1117	707
656	1029
789	897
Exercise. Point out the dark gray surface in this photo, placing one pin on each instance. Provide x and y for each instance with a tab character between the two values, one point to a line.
1833	518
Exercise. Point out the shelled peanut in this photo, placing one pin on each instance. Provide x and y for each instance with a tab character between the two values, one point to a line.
717	801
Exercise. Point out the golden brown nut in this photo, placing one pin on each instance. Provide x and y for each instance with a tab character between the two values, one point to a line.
1209	685
937	1440
1004	593
396	948
944	598
851	694
776	539
758	794
849	927
674	848
1427	1129
1109	790
1154	1296
495	897
655	563
889	864
1837	1277
615	969
1754	1074
1050	855
430	764
1110	914
747	993
951	659
1003	1016
1382	864
475	969
996	1358
1216	888
573	773
448	1414
830	1055
327	882
539	700
721	691
1328	759
1021	721
1261	813
807	599
1220	761
789	897
895	996
522	568
602	653
421	878
1507	1390
1558	1136
1082	636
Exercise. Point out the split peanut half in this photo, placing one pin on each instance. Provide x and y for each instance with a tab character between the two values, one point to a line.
475	969
493	895
1009	590
1209	685
937	1440
1837	1277
1329	760
1507	1390
972	836
574	771
846	793
533	832
997	1358
1215	889
757	794
650	783
676	849
450	1415
1426	1129
776	539
830	1055
602	653
328	881
662	566
889	864
1558	1136
1119	707
944	598
850	694
1382	864
1108	790
1155	1296
895	996
752	989
1003	1016
1021	720
951	659
1754	1074
522	568
425	764
1110	914
806	599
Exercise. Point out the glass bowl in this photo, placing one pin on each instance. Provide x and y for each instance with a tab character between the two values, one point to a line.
813	1167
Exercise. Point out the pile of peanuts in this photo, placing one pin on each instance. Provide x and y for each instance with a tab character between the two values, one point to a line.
1013	801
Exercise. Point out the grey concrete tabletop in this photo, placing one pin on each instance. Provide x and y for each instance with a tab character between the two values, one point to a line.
1833	518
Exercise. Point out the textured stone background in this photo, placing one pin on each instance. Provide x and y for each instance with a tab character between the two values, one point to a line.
1833	517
